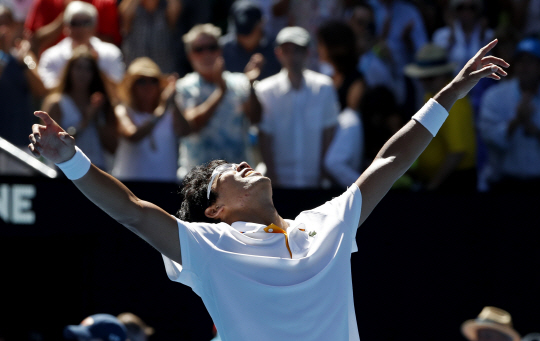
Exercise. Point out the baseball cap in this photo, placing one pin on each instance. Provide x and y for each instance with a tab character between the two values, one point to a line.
293	34
529	45
102	326
245	15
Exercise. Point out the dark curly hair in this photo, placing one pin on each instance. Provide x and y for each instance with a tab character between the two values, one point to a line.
194	189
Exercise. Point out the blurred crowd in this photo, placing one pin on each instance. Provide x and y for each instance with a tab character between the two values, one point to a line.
306	91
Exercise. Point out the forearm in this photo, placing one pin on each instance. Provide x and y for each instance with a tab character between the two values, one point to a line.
144	130
267	154
126	11
199	116
110	195
48	34
253	108
174	9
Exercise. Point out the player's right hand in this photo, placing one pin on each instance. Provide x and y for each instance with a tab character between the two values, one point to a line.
50	140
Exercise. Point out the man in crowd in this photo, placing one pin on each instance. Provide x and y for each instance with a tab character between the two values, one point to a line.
300	111
510	124
218	105
260	276
98	327
80	19
492	324
247	39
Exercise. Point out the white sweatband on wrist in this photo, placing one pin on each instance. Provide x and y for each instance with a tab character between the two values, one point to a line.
432	116
76	167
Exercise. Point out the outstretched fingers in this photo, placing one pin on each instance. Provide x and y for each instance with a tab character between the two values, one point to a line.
489	71
484	50
495	60
44	117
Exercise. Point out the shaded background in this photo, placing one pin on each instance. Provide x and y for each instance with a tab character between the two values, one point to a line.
426	263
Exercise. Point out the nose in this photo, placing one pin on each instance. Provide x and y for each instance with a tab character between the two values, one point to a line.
242	165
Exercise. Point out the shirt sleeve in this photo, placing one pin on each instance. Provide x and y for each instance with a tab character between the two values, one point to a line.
344	152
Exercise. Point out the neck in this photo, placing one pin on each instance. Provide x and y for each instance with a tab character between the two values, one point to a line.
295	78
261	214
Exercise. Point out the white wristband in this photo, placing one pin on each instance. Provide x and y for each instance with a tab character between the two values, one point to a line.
432	116
76	167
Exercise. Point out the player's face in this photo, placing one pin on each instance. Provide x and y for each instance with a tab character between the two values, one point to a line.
241	187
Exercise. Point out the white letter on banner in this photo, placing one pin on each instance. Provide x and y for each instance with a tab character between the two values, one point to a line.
22	204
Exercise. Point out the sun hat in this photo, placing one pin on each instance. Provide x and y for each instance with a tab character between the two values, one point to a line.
431	60
99	326
293	34
139	67
492	318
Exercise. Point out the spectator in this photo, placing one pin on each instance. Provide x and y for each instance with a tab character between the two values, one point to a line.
373	65
98	327
18	82
511	126
336	45
300	111
448	162
492	324
275	15
46	22
248	39
217	104
82	104
401	32
136	329
149	124
343	161
19	10
466	33
80	20
149	30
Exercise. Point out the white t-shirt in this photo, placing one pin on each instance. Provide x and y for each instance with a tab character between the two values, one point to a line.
296	120
252	288
54	59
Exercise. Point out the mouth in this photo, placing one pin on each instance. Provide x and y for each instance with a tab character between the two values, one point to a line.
247	172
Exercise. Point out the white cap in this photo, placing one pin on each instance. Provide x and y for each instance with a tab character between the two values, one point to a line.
293	34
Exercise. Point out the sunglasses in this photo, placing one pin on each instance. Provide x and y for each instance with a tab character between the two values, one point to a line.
81	23
147	81
221	169
201	49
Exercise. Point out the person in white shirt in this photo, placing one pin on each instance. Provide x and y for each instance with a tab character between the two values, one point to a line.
299	116
263	277
80	20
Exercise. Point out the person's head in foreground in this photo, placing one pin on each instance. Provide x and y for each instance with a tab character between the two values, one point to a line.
221	191
292	48
137	330
432	67
492	324
98	327
80	21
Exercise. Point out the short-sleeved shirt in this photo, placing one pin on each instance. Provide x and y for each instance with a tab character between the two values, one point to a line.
43	12
296	120
254	290
226	133
54	59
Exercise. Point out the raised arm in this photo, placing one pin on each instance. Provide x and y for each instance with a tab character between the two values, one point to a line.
145	219
398	154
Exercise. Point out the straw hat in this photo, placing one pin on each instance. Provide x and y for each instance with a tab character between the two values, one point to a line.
492	318
431	60
140	67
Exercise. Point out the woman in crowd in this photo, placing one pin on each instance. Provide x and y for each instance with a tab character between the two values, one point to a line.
82	104
149	124
337	49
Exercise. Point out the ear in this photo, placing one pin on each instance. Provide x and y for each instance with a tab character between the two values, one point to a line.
214	211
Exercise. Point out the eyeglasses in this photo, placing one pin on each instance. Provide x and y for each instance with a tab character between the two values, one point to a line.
227	167
147	81
81	23
201	49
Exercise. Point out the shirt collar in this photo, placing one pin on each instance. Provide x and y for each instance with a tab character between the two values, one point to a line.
242	226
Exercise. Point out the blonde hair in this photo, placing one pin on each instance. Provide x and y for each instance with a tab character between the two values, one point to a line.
207	29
